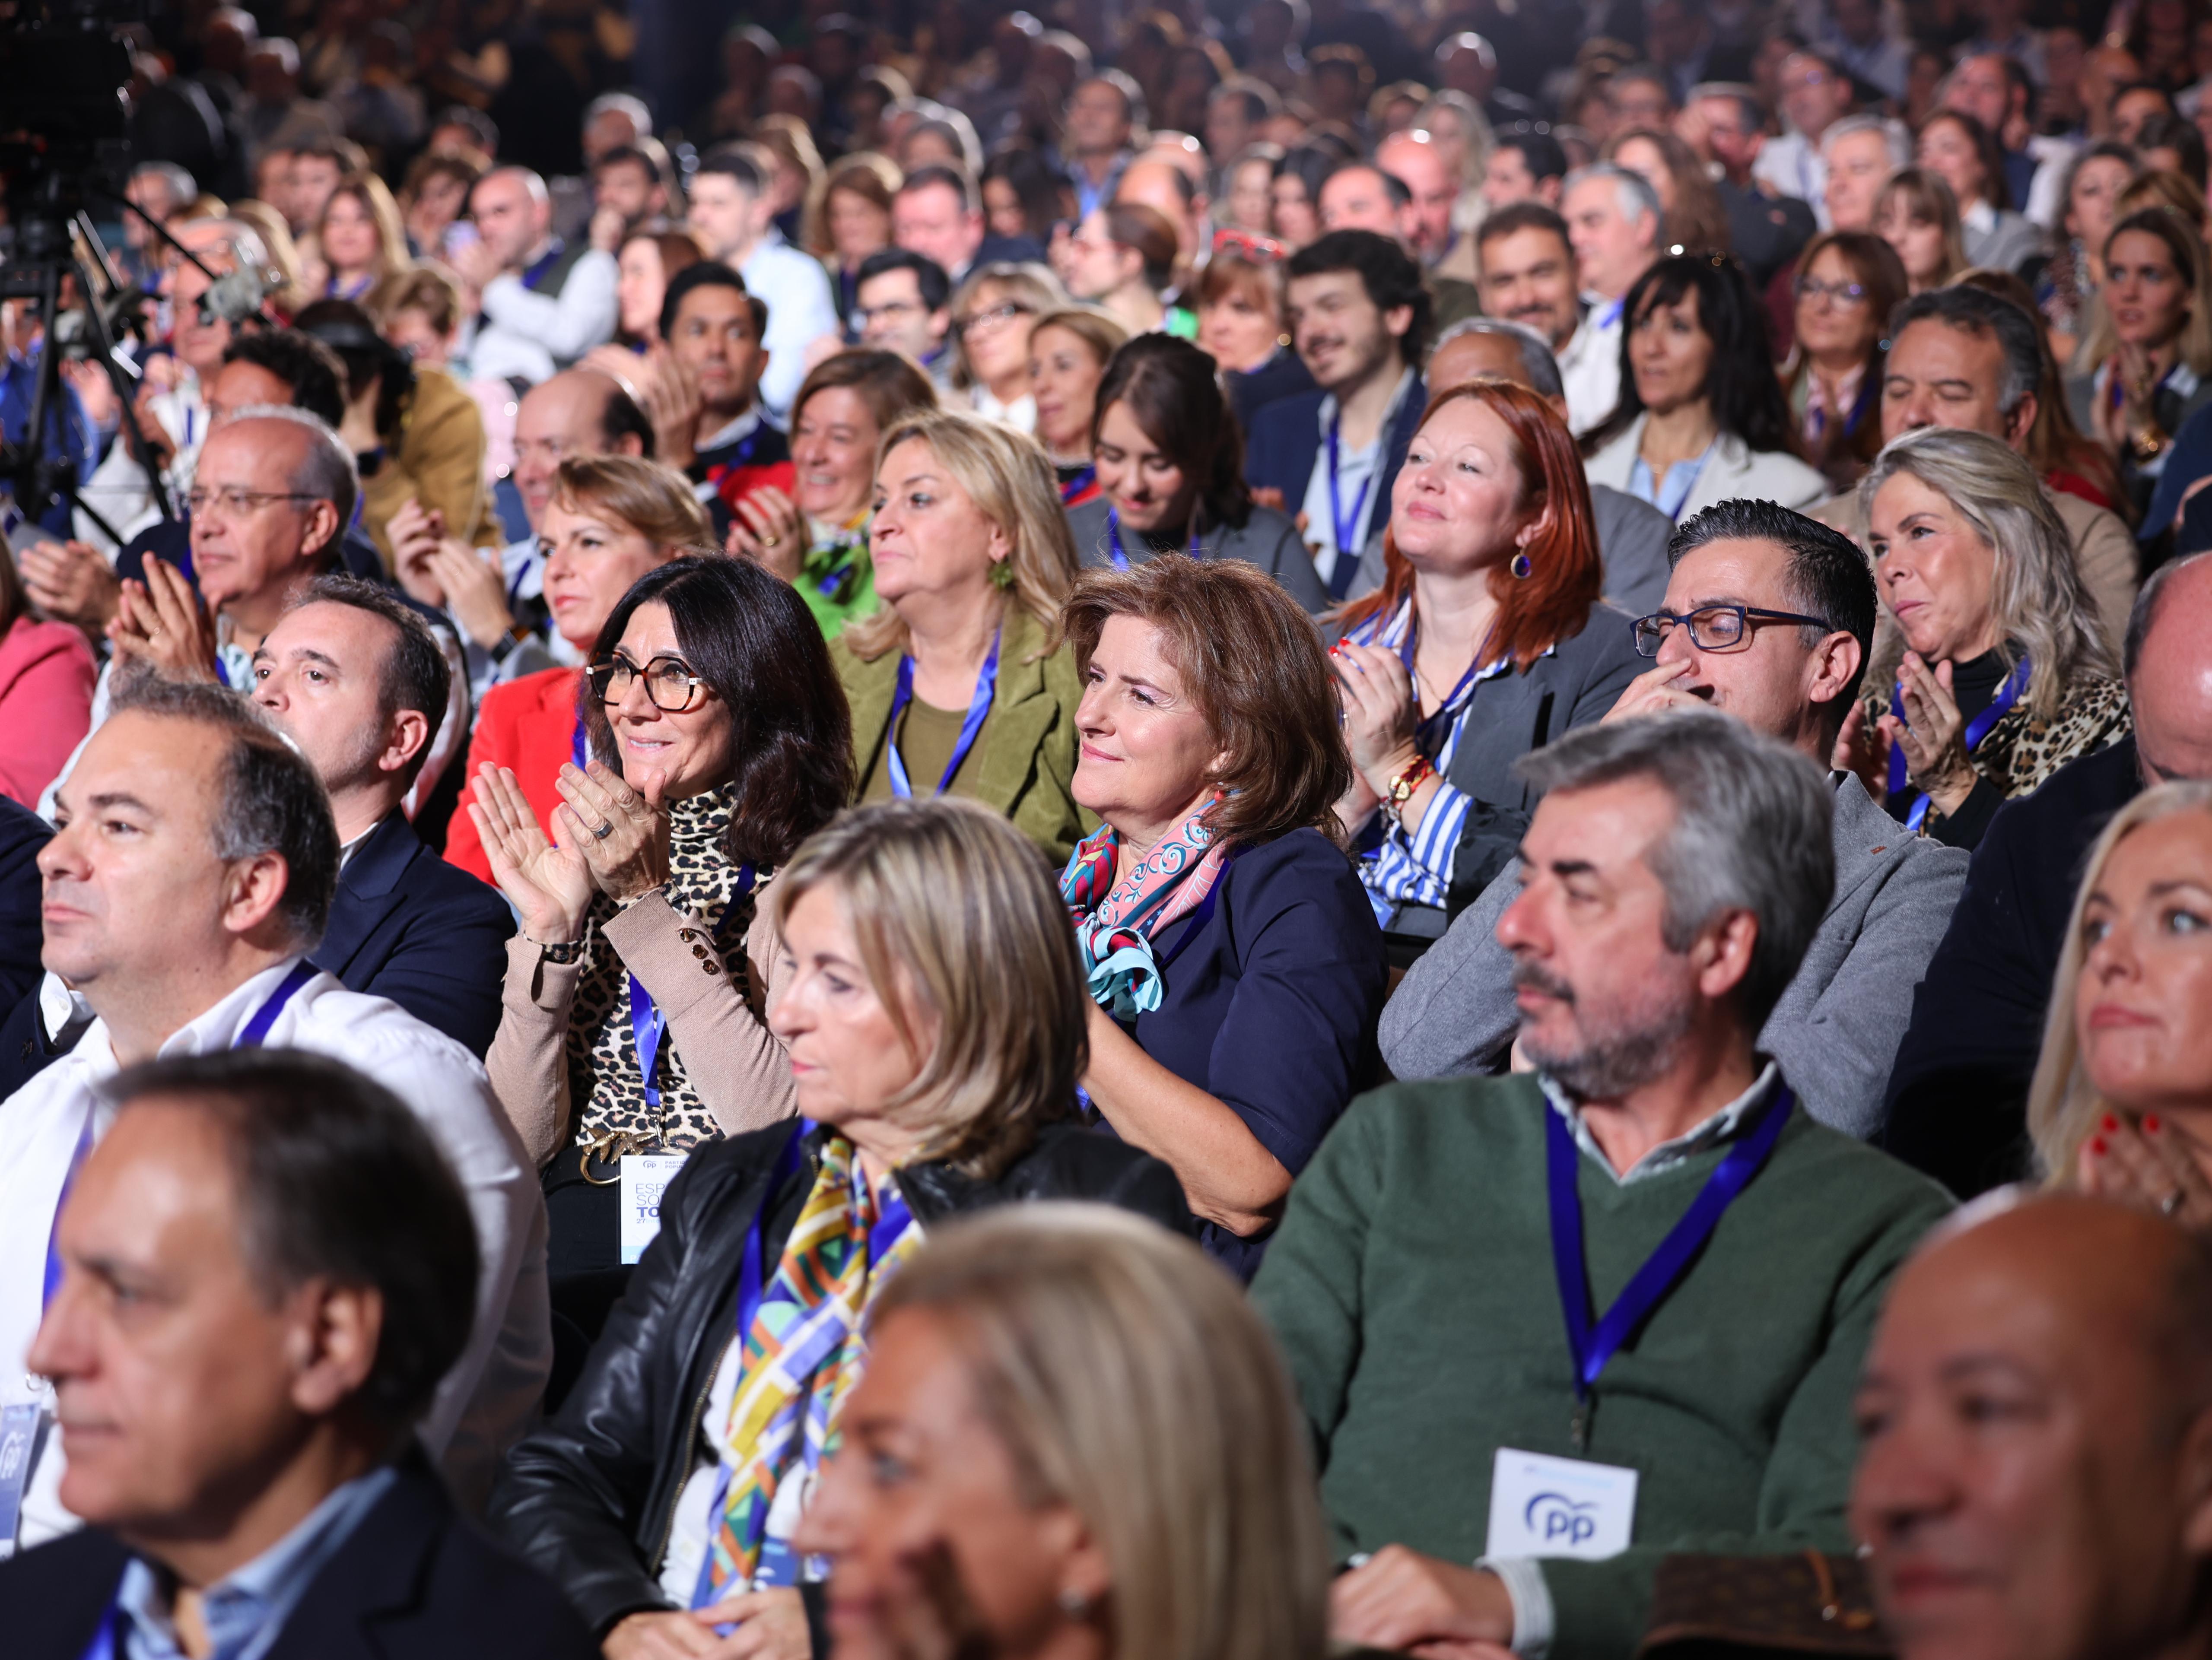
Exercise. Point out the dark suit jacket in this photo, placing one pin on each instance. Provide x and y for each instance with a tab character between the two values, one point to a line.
409	926
1286	441
414	1579
1958	1095
22	834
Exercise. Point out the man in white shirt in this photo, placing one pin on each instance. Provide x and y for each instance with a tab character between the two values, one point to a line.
734	214
1816	93
543	303
193	871
1613	221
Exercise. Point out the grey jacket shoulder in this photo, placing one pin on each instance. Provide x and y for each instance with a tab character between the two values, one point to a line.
1268	539
1631	541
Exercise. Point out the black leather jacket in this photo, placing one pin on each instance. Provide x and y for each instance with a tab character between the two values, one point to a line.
589	1497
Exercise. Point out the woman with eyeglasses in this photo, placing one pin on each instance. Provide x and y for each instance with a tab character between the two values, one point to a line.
611	518
1848	283
713	739
1238	297
993	312
1069	349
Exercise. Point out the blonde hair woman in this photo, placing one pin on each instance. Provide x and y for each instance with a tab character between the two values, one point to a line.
956	685
2007	675
2150	343
929	997
2122	1101
1077	1382
359	239
993	312
1916	214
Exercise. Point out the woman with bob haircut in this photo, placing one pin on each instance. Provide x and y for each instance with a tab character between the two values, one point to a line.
2122	1101
360	240
956	686
1848	283
1701	418
1963	152
1916	214
1236	970
716	740
1171	460
1238	297
2006	675
928	994
611	519
1069	349
1081	1389
1487	639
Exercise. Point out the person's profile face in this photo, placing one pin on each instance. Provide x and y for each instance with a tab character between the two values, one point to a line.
252	533
502	209
850	1060
2147	971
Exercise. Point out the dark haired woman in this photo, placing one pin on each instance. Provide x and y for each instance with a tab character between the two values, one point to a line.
1964	154
718	740
1024	195
1487	640
1236	965
1848	283
1294	194
1170	464
1701	418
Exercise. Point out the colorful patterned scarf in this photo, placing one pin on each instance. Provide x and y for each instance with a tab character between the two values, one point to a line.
803	1355
1115	928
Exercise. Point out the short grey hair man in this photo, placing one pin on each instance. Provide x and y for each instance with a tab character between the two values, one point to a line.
1892	133
1537	358
1638	199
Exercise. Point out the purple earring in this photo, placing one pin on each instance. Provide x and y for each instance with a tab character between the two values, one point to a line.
1520	566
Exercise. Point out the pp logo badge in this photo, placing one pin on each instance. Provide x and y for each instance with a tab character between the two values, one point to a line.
1560	1521
1540	1506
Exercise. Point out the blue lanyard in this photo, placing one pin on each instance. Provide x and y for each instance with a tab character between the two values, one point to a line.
577	749
1346	526
1977	730
1114	550
1406	650
1592	1345
108	1642
255	1033
648	1019
979	710
537	273
1076	486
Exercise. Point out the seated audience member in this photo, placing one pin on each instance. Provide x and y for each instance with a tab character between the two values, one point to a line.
1767	230
247	1459
46	676
1525	164
419	311
1701	418
353	675
1171	461
2069	283
1069	349
1154	1409
191	878
359	240
903	303
1529	276
2067	462
1964	154
647	261
717	742
956	685
1361	196
1632	535
1916	214
2006	675
1121	258
1487	639
939	212
22	834
608	520
2150	346
1294	195
993	312
817	537
1675	871
1613	218
543	302
1767	618
1239	299
857	194
496	596
2032	1421
1848	284
701	388
1361	320
732	208
1694	219
1859	153
1235	967
932	1002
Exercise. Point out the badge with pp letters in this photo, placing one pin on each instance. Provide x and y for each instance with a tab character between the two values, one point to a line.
1546	1506
645	1176
19	1448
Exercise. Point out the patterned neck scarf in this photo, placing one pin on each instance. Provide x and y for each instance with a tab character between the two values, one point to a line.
803	1354
1115	923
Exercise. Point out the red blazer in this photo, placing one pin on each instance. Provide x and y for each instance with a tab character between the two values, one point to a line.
46	675
528	726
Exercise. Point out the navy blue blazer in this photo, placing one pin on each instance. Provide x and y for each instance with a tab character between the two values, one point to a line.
22	834
1271	1001
409	926
1286	441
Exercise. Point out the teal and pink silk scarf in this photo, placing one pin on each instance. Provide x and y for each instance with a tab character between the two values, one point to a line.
1115	923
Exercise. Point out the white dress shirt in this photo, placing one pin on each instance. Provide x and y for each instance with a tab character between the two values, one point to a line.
1356	472
118	490
534	335
1589	368
801	310
487	1399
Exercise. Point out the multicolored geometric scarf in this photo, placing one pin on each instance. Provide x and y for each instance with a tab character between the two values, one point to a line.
803	1355
1114	922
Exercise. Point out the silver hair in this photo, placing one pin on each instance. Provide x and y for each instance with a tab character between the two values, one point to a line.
1536	355
327	471
182	189
2041	606
1893	134
1632	190
626	103
1753	831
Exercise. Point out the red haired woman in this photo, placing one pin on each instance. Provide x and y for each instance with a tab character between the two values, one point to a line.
1487	639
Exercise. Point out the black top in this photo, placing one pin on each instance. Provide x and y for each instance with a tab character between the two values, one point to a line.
1973	687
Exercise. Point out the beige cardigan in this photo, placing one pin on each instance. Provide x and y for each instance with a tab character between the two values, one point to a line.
738	1067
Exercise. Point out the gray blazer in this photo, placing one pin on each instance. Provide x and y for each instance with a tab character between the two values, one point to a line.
1268	539
1835	1030
1632	544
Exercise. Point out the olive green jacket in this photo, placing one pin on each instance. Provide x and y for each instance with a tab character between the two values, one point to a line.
1026	757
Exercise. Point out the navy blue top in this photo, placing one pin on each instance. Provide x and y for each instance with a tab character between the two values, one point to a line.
1271	1001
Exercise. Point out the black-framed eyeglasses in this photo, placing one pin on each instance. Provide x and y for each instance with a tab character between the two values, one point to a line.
1714	628
1839	293
991	317
670	685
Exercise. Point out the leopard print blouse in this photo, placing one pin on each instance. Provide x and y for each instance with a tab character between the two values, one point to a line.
2022	749
602	1050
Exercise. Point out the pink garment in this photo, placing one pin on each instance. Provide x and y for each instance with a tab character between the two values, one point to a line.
46	676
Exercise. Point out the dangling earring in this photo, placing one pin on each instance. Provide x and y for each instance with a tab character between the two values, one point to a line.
1520	566
1002	574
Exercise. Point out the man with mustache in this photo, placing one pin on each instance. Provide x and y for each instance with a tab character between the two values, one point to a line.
1836	1028
1546	1326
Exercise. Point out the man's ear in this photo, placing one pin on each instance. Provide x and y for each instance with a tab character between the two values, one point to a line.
405	738
1722	953
256	892
2021	420
1835	665
323	527
1397	320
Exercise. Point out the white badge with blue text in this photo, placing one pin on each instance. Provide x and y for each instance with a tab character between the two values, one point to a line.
645	1177
1546	1506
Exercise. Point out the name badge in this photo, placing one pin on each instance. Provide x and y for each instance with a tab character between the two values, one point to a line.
645	1178
19	1429
1545	1507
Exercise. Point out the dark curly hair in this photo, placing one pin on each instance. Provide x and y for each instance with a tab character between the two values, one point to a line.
1171	389
1741	382
1386	271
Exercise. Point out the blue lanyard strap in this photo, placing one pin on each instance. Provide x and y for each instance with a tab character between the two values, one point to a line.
1977	730
1592	1345
579	749
971	728
1076	486
1443	712
648	1020
1114	548
1345	526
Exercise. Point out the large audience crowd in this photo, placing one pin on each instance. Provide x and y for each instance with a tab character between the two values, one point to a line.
1207	833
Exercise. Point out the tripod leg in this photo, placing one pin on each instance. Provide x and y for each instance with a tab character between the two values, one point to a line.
126	400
